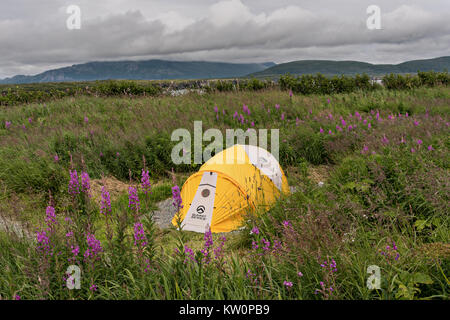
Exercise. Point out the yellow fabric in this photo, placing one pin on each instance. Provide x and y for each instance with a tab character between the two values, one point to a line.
240	188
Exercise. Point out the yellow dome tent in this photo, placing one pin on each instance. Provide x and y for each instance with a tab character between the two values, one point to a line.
228	186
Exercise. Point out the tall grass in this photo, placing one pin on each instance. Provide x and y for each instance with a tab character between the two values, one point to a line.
384	203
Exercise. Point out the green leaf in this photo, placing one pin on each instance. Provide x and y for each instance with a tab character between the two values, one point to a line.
422	278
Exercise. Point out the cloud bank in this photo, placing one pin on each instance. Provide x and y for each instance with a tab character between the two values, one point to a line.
34	37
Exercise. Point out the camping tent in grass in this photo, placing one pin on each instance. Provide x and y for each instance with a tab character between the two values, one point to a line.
228	186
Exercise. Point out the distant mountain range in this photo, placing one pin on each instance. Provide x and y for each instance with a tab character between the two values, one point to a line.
143	70
166	70
329	68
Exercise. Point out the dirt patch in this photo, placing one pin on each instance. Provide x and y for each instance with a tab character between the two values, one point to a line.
319	173
115	187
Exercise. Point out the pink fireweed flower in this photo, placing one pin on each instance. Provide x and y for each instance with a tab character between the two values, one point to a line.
7	124
216	110
50	217
218	251
328	100
430	148
413	150
139	235
93	288
406	114
277	106
235	115
133	199
252	123
300	274
286	223
287	284
146	186
330	116
105	202
416	123
55	158
343	123
297	120
385	140
369	125
282	116
190	254
350	127
86	119
223	111
85	182
93	248
419	142
30	120
207	246
43	240
330	132
365	149
73	183
338	128
290	93
321	130
255	230
176	196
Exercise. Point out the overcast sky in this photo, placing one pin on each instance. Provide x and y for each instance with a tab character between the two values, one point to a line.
34	36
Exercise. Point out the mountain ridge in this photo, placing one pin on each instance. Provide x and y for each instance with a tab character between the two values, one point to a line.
157	69
154	69
349	67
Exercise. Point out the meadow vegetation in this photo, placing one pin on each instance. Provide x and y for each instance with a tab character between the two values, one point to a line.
370	168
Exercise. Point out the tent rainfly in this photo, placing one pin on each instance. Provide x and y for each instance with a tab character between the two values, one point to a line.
228	186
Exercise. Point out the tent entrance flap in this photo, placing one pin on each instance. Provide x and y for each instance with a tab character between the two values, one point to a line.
199	216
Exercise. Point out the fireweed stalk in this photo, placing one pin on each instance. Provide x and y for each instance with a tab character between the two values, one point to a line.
328	285
105	209
145	182
133	202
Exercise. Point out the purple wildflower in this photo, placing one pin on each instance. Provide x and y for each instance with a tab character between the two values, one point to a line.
94	248
85	182
7	124
105	202
145	182
287	284
176	196
255	230
139	235
73	183
50	217
133	199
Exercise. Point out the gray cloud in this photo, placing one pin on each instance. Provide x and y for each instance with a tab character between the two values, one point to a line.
33	37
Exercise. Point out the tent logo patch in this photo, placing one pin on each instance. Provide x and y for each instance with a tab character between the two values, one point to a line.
200	209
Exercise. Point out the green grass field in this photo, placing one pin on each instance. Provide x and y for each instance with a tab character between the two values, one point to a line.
382	155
